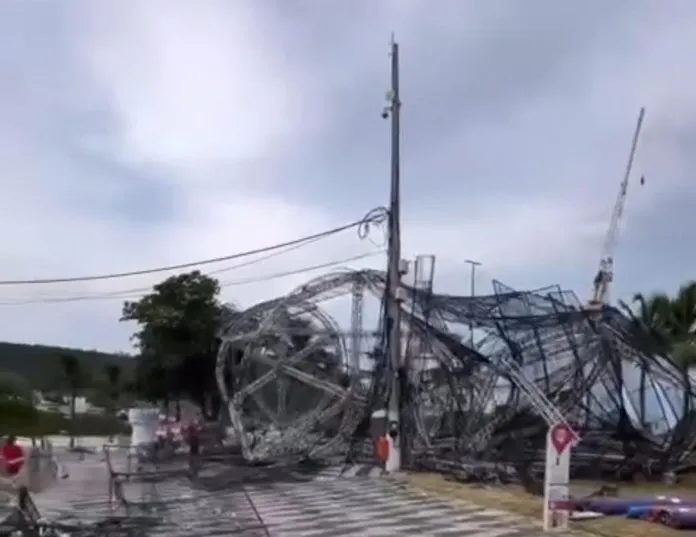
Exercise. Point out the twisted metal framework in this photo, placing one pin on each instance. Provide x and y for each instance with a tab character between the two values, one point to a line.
296	385
540	358
482	379
288	374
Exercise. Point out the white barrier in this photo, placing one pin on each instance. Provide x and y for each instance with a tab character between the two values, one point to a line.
144	423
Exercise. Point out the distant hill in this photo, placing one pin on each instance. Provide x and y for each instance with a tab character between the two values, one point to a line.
40	364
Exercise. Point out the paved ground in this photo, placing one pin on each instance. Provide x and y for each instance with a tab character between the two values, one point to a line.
276	503
376	507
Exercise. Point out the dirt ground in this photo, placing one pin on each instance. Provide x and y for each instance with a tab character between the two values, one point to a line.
515	500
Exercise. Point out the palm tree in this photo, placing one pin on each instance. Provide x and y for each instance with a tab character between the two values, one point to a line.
650	319
113	382
667	325
74	380
683	325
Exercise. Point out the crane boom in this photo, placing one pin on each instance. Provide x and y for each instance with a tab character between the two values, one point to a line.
605	274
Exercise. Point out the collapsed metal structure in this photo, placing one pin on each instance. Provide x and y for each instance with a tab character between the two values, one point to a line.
482	379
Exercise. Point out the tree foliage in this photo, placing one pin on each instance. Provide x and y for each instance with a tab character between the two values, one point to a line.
177	338
17	416
23	419
13	386
75	379
39	364
113	374
666	324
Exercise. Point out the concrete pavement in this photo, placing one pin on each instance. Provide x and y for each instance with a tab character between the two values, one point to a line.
294	504
376	507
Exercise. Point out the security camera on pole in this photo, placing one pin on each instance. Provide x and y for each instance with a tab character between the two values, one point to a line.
395	270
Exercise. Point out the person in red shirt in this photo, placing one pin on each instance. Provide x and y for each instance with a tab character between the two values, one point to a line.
12	456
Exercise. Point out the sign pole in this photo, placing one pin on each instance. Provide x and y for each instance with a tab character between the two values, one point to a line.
559	441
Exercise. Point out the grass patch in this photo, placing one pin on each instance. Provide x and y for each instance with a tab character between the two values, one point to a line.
516	500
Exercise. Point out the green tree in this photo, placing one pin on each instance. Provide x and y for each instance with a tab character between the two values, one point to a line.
13	386
667	324
649	320
683	325
19	417
37	363
178	323
75	379
16	403
113	374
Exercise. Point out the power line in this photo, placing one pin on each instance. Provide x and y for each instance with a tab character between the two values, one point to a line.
371	218
125	293
136	293
262	258
302	270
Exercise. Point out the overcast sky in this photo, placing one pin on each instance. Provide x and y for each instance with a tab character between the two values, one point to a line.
142	133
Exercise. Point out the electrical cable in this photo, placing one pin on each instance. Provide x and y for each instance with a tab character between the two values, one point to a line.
143	290
266	257
302	270
137	293
374	217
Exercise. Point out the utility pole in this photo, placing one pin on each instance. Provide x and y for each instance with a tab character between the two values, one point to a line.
395	271
473	264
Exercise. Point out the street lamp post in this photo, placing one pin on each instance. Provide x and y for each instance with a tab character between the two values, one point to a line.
473	264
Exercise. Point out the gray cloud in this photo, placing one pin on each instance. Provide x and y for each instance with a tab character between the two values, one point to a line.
139	133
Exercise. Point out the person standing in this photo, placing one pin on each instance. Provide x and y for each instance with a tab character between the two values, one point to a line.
12	455
194	442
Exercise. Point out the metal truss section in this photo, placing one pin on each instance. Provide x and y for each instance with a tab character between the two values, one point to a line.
294	385
290	376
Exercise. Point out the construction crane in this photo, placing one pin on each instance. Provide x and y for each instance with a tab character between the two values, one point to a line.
605	274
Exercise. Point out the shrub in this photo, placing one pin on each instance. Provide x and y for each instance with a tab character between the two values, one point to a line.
22	419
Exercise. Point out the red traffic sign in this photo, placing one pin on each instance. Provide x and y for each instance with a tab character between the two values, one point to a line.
561	437
12	458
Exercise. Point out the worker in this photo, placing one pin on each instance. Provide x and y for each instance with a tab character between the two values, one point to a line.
12	456
382	448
